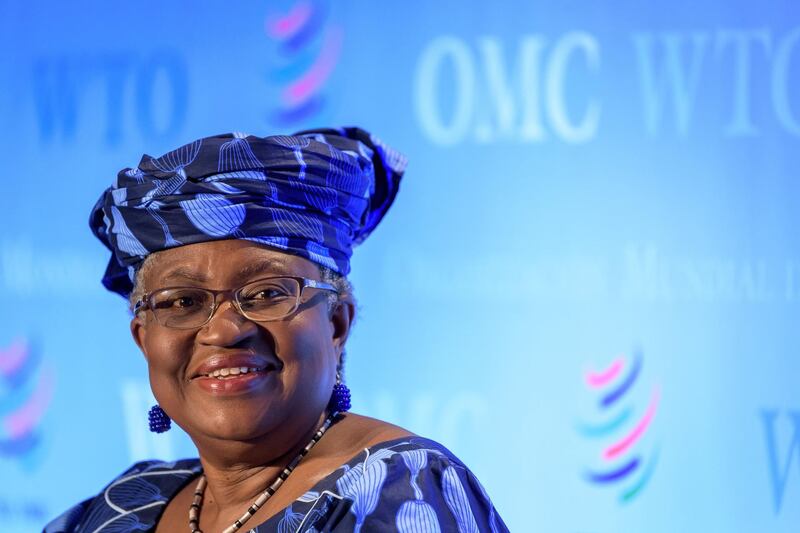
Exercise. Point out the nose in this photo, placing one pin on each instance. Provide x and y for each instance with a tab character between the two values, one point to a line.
227	327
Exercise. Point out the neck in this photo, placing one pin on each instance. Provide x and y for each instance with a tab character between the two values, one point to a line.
238	472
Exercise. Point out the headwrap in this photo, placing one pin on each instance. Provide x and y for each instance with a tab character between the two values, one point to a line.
315	194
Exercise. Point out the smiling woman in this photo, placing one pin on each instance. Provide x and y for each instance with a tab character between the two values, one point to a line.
233	251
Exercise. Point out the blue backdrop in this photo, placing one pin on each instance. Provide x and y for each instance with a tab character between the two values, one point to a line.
588	288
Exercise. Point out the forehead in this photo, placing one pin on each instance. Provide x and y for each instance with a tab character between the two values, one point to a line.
224	263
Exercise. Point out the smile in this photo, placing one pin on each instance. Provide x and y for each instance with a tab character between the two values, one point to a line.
234	373
228	373
235	380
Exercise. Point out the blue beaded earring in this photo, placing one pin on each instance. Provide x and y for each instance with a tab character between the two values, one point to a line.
340	399
159	420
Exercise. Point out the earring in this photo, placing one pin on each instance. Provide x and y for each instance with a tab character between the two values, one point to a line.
159	420
340	399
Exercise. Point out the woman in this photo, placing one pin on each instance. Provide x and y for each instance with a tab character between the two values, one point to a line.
233	252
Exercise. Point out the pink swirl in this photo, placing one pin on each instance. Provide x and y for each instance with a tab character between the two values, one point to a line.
641	427
13	358
24	419
310	81
288	25
602	378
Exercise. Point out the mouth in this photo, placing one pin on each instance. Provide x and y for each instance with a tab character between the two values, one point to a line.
233	372
226	380
233	366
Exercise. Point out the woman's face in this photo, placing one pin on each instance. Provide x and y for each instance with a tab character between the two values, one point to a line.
297	355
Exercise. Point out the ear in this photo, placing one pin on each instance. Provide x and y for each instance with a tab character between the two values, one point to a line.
342	318
139	332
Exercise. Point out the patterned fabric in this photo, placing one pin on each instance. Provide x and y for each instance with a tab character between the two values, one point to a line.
314	194
406	485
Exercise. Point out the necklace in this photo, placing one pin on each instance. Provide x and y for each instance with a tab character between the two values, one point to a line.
200	489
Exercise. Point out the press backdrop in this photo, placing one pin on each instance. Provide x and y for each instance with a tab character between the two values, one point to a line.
588	287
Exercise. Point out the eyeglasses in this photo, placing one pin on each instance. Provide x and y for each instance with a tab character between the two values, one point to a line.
261	300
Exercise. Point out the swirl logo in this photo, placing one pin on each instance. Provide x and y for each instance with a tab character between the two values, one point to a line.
624	461
310	48
26	389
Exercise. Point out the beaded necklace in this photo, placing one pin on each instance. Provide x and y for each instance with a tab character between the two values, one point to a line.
200	489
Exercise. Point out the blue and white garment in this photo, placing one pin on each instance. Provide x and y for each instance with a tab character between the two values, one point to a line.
315	194
409	485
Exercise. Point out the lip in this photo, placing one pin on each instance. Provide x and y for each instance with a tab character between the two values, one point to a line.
220	361
242	383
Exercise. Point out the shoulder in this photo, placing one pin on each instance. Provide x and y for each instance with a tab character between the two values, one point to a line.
134	497
158	472
400	458
359	431
413	482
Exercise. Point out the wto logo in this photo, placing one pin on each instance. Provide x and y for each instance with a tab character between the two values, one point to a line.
625	463
310	50
781	449
112	94
26	389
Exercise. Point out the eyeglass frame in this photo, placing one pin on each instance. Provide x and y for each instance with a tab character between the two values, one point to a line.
144	303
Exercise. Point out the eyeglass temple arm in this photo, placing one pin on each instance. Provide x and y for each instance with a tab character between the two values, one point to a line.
141	304
314	284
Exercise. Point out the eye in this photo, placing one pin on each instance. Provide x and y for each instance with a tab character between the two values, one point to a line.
267	293
183	301
178	300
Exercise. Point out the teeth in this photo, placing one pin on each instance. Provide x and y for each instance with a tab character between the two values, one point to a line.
222	373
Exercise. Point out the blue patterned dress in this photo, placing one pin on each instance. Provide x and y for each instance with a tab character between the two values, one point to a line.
410	485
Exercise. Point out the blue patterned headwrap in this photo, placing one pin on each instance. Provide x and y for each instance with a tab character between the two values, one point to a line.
315	194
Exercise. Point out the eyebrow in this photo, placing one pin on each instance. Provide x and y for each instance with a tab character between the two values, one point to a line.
270	266
184	273
260	267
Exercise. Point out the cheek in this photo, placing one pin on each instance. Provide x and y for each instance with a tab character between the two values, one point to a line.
167	355
304	337
307	353
166	351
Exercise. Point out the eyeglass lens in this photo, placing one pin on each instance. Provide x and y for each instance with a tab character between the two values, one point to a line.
192	307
